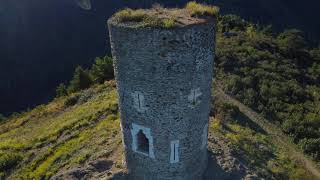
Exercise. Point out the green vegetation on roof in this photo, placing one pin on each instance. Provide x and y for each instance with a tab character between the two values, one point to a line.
127	15
166	18
198	10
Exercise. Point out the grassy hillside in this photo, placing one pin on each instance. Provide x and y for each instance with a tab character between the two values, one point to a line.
62	134
258	143
70	132
277	75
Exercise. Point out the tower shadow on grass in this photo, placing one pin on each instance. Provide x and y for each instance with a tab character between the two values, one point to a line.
245	121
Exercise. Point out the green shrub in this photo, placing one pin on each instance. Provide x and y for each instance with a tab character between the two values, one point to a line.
81	80
71	101
61	90
168	23
225	111
232	22
8	161
102	70
311	147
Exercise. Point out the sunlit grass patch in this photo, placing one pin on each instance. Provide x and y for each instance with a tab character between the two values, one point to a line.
128	14
144	19
198	10
61	138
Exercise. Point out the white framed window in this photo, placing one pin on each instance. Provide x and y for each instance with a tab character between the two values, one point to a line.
142	141
174	155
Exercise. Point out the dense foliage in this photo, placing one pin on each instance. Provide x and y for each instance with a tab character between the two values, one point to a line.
277	75
101	71
253	143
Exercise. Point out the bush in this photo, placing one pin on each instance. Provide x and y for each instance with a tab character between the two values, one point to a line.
311	147
102	70
232	22
81	80
61	90
8	161
71	101
292	42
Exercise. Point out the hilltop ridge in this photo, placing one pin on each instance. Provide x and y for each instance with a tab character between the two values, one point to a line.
63	141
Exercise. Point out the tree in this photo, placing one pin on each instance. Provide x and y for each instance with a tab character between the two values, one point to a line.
292	42
102	70
81	80
61	90
231	22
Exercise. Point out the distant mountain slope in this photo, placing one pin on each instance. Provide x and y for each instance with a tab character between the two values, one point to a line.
282	14
79	137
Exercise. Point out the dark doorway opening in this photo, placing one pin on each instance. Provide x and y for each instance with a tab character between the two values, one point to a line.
143	142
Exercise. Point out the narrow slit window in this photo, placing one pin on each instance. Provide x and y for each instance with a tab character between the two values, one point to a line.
174	155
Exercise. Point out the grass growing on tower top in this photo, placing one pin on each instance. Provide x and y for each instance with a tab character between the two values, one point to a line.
145	19
130	15
198	10
160	17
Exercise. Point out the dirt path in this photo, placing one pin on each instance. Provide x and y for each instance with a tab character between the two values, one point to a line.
279	139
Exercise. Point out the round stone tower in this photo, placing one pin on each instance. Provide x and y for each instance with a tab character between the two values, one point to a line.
164	76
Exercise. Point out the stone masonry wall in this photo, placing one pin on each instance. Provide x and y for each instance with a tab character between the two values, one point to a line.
164	84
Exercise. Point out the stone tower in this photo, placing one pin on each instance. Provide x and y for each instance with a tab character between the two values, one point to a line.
164	78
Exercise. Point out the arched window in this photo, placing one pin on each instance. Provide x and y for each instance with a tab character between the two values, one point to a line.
143	142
